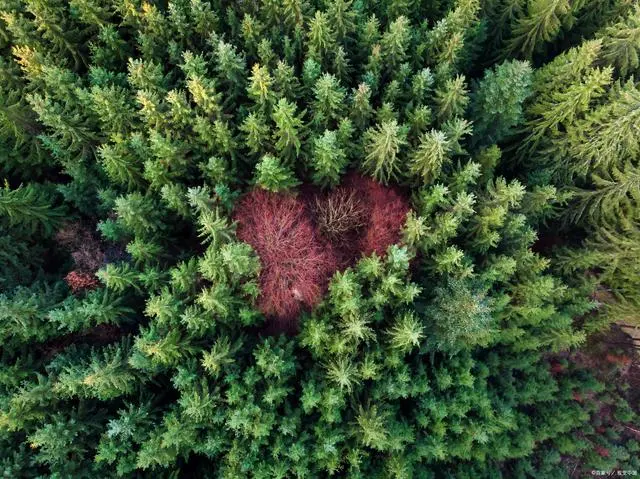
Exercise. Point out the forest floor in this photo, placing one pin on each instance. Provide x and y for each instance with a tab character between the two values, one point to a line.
613	356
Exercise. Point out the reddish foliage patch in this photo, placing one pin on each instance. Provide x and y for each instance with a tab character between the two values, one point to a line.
387	213
295	267
602	451
556	368
302	240
79	281
621	360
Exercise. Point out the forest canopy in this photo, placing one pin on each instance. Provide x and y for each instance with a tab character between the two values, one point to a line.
318	238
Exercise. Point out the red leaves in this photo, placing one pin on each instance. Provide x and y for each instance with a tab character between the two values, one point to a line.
298	257
87	255
387	212
79	281
556	367
620	360
295	267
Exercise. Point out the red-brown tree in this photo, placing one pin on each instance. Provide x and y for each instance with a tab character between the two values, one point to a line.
295	266
386	210
80	281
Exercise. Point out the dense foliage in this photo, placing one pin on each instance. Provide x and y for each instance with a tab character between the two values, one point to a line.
306	238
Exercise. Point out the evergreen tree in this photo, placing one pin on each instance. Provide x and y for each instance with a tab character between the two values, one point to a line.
30	207
329	159
383	145
498	101
273	176
621	43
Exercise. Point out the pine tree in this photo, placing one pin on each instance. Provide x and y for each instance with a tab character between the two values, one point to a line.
621	43
461	317
321	37
383	145
273	176
259	89
329	102
103	376
431	154
329	159
30	207
612	128
452	99
542	22
288	131
498	101
395	42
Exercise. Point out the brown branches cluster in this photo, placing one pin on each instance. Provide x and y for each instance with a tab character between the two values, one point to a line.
86	252
339	215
